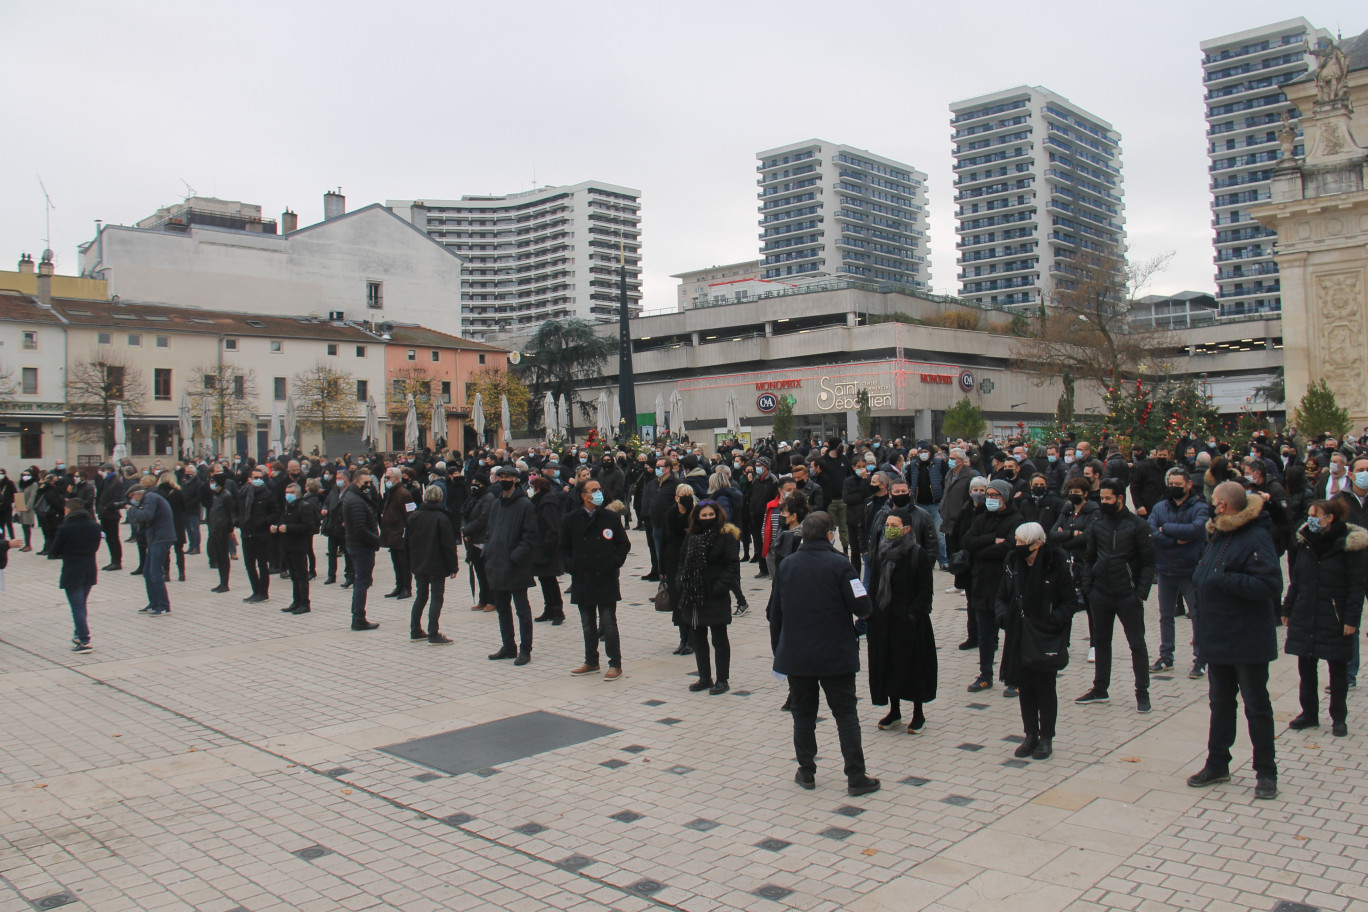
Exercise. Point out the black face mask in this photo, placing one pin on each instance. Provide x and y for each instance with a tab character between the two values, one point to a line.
507	483
902	500
1023	550
1111	509
1075	498
1177	494
1038	492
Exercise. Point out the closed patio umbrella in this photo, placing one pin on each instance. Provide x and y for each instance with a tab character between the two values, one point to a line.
411	424
549	416
615	417
660	413
477	417
676	413
207	426
273	437
372	431
438	431
505	420
602	417
187	428
564	420
120	435
291	425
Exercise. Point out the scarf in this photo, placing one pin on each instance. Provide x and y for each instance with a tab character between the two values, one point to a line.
890	554
691	567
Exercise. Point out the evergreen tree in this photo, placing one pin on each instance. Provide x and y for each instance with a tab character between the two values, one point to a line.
963	419
1319	413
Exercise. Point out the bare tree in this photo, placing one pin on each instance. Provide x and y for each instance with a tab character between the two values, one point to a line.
95	387
410	381
231	394
1086	329
326	398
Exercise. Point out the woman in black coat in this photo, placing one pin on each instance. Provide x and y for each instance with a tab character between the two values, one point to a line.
1037	588
1068	533
901	643
76	543
709	568
547	565
973	506
433	556
170	489
676	529
1323	607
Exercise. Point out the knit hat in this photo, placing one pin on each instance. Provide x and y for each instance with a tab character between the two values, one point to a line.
1002	487
765	461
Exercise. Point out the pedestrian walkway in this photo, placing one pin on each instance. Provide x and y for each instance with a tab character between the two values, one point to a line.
228	756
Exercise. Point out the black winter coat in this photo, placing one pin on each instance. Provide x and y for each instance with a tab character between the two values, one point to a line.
300	520
1325	592
664	502
1239	587
594	546
361	527
899	638
721	574
222	512
1118	557
76	543
551	506
1046	512
985	573
1050	613
514	541
432	541
257	511
817	596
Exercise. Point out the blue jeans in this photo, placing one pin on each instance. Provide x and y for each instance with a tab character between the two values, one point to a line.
1170	587
192	530
154	575
1353	667
363	562
77	598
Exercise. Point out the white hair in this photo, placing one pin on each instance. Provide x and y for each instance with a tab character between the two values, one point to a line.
978	482
1030	533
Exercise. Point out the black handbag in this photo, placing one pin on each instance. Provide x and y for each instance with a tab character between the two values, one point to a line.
1041	650
959	562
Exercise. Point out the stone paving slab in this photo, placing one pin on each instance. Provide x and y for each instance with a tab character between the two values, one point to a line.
226	756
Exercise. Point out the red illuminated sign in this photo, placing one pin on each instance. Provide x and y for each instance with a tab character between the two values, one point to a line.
778	385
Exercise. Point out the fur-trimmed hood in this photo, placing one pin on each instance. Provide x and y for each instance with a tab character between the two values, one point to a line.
729	529
1355	538
1232	522
616	506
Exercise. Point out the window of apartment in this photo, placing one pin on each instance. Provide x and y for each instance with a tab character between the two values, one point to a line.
30	340
161	383
277	346
230	345
239	387
436	355
29	381
135	339
360	351
397	388
114	381
104	338
163	341
446	391
281	391
332	348
375	297
30	443
482	357
362	390
412	355
210	381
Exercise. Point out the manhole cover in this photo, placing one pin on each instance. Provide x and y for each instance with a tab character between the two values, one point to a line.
338	771
850	810
957	800
625	816
576	862
312	852
458	819
530	829
837	833
773	891
480	748
647	887
53	901
772	845
915	781
702	825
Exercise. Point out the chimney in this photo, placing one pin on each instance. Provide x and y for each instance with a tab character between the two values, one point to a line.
288	221
418	214
45	279
334	204
26	265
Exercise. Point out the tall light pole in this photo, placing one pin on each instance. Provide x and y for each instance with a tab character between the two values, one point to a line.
626	378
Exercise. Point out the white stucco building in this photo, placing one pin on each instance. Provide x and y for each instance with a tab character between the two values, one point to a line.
540	255
369	265
1037	184
832	210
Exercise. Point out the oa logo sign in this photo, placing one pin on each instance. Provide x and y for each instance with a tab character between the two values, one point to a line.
766	402
966	381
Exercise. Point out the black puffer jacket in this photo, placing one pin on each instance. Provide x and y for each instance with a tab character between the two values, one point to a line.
1118	557
551	506
1239	585
1325	593
981	541
514	541
721	574
359	519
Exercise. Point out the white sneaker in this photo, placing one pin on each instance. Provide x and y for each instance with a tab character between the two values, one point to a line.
953	591
1092	654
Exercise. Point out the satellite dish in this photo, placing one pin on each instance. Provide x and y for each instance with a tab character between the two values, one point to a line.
515	358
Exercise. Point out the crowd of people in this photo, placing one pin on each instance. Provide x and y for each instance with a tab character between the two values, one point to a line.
850	535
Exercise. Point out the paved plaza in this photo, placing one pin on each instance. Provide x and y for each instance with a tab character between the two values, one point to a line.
229	756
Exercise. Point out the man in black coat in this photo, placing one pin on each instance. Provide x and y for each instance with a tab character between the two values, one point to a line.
508	557
1117	573
361	530
76	543
764	489
815	597
257	512
594	545
222	527
1239	585
109	503
432	550
296	527
1148	486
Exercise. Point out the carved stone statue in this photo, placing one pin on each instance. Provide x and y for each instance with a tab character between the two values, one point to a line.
1332	74
1287	136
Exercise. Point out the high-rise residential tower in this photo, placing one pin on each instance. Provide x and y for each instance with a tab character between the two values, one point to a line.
1242	74
540	255
833	210
1037	185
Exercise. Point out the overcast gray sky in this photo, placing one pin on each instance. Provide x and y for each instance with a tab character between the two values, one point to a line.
274	103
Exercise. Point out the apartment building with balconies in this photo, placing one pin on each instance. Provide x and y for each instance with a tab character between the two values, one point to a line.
543	254
1037	189
1242	75
832	210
